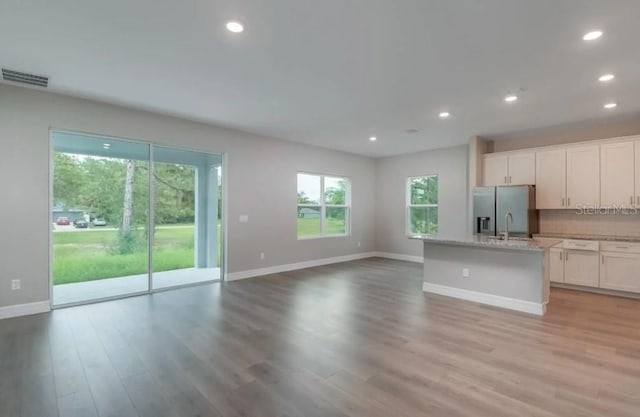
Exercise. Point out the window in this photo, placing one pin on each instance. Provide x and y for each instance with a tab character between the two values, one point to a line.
323	205
422	205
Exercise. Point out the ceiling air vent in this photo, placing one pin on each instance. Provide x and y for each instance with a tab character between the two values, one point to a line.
24	78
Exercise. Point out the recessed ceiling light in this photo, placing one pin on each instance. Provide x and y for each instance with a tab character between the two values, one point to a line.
373	138
592	36
610	105
606	77
511	98
444	114
235	27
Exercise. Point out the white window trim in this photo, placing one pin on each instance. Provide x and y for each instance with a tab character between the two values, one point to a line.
323	207
409	206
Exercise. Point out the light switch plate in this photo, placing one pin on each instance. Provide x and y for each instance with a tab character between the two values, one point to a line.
244	218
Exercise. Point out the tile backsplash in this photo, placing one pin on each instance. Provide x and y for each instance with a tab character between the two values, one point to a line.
572	222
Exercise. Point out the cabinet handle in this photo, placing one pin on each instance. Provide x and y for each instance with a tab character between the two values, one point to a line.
566	256
602	259
568	201
639	200
505	180
562	201
560	255
622	247
510	180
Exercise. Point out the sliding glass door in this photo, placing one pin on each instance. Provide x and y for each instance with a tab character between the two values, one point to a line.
187	201
130	217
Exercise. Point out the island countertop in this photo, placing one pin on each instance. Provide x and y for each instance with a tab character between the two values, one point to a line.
486	242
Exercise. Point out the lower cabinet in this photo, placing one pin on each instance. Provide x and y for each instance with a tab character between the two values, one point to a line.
620	271
608	265
556	265
582	268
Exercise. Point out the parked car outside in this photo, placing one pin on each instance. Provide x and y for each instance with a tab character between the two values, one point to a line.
81	224
99	222
62	221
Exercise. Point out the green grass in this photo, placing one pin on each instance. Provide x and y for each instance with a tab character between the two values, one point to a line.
311	227
87	255
90	254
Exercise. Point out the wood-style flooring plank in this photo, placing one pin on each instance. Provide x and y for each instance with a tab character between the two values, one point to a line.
356	339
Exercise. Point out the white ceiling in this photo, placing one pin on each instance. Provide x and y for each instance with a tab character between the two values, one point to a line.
334	72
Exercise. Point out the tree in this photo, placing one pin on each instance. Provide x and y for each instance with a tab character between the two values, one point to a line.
68	180
303	199
127	209
336	196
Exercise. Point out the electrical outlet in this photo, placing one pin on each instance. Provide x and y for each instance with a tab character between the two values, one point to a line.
15	284
465	272
262	256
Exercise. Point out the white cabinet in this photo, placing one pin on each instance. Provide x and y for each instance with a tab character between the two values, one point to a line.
516	168
522	168
617	163
496	170
583	176
589	175
556	265
582	267
619	271
620	263
551	178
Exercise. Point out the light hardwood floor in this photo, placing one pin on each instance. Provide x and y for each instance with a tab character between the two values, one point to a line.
351	339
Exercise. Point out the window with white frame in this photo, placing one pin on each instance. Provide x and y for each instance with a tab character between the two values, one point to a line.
422	205
323	205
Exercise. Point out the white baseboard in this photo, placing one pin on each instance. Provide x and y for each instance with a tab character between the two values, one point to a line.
250	273
489	299
400	257
24	309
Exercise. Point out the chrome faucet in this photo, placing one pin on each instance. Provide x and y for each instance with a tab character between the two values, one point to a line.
507	217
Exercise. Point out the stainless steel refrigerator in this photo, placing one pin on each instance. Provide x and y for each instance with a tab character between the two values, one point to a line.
492	205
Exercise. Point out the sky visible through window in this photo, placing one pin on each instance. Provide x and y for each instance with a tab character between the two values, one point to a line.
310	185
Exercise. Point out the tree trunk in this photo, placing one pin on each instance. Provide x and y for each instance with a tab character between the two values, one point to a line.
128	197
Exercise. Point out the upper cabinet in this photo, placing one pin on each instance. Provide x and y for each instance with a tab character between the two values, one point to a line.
617	163
586	175
510	169
551	179
522	168
496	170
583	176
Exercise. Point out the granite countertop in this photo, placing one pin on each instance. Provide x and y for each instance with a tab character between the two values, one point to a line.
588	237
485	242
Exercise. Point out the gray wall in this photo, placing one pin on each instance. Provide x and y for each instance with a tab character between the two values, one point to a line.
507	273
261	180
451	165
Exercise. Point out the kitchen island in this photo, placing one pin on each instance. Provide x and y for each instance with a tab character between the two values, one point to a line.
512	274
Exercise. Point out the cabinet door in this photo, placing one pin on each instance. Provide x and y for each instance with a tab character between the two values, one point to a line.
582	268
556	265
583	176
522	168
551	179
619	271
637	170
495	170
617	177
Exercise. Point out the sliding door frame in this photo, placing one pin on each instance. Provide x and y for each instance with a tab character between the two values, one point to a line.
150	217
